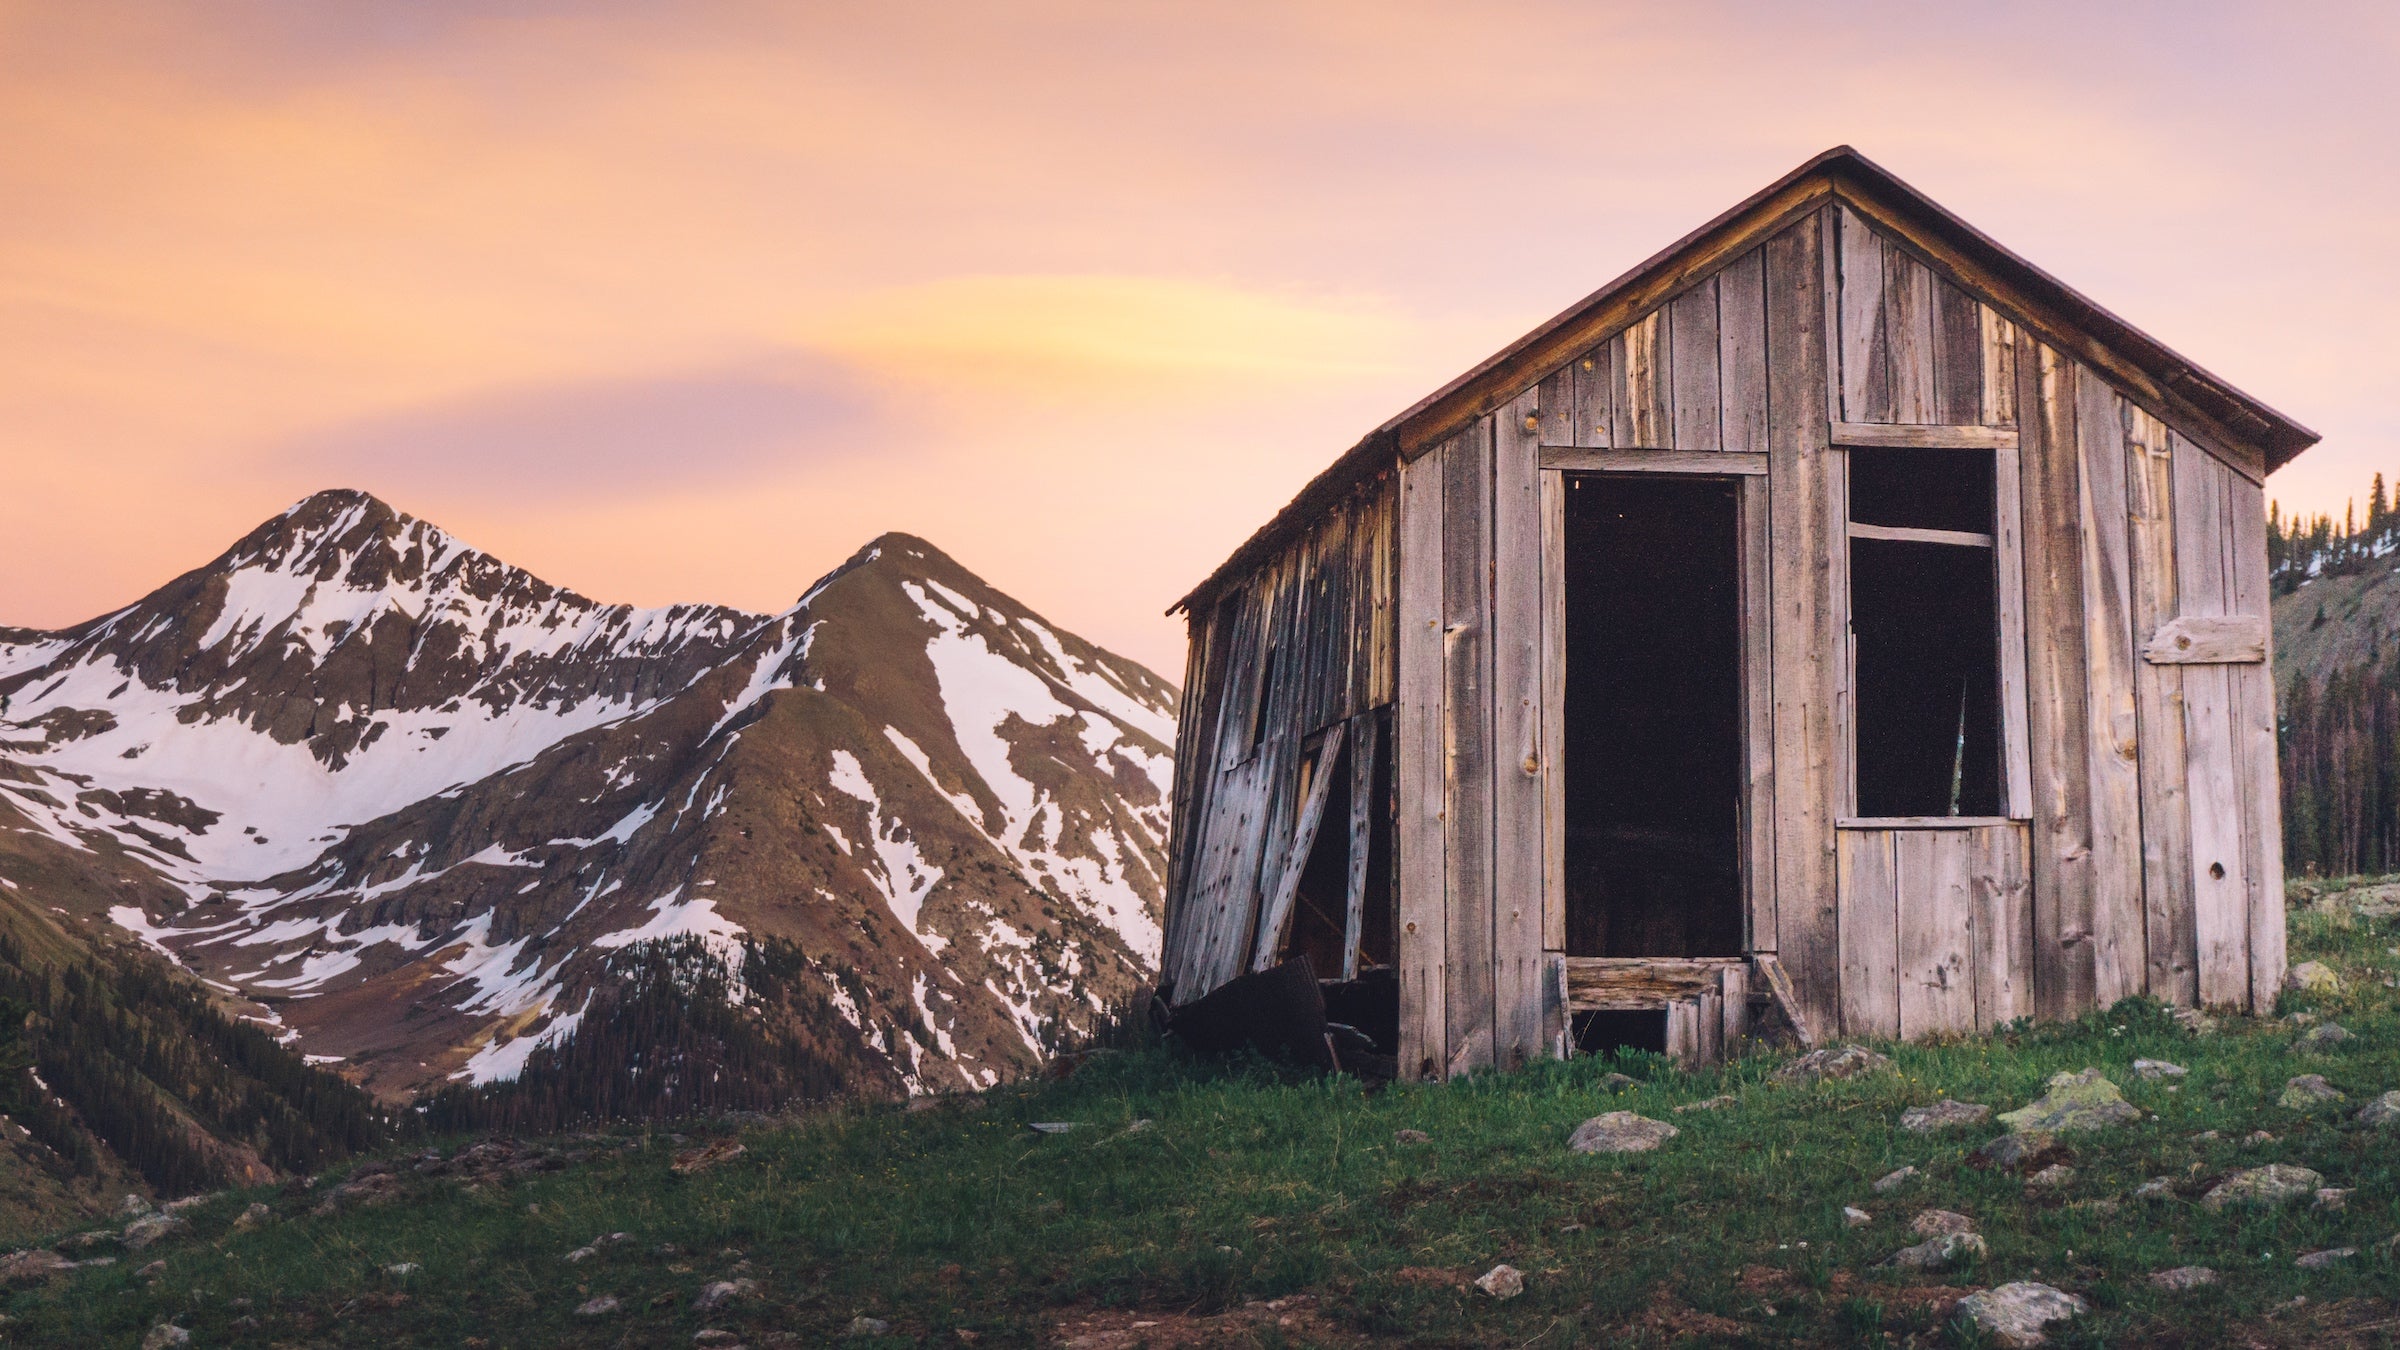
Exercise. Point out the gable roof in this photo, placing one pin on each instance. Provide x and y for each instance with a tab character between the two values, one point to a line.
2246	433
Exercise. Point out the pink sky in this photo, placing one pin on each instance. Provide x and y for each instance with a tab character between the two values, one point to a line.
685	302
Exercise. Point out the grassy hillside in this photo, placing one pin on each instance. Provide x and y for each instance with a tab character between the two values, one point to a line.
1259	1209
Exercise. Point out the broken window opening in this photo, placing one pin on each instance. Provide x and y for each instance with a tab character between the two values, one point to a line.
1258	703
1320	910
1925	634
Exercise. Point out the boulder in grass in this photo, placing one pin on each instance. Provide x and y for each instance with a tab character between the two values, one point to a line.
2074	1101
1938	1253
1718	1103
166	1336
598	1307
1834	1061
1411	1137
2050	1178
863	1325
2194	1021
1854	1217
2309	1092
2183	1278
2158	1068
2321	1040
1943	1114
2312	977
2015	1314
2333	1199
1620	1132
2384	1110
2273	1184
152	1227
2324	1260
1934	1223
1894	1180
1502	1281
716	1295
2021	1151
26	1267
1616	1082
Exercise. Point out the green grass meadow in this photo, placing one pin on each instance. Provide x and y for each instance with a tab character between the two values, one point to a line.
961	1225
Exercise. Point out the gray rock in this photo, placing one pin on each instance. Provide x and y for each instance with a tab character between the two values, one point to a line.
2309	1092
869	1326
2319	1040
132	1207
26	1267
164	1336
2384	1110
2312	977
2183	1278
1854	1217
2020	1151
2015	1313
2158	1068
84	1242
2074	1101
252	1216
1943	1114
151	1271
1502	1281
1834	1061
2273	1184
2050	1178
722	1292
1411	1137
1053	1126
1892	1181
1616	1082
402	1269
1937	1253
2156	1188
2333	1199
2194	1021
2331	1256
152	1227
598	1307
1620	1132
579	1255
1718	1103
1933	1223
2256	1137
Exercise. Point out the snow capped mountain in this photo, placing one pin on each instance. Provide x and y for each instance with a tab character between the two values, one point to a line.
407	800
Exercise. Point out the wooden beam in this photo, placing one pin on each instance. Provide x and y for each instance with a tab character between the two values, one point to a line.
1278	915
1921	822
1640	983
1780	985
1362	825
1703	462
2208	640
1908	535
1886	435
1422	863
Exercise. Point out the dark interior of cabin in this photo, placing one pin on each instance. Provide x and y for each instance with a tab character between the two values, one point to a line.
1925	632
1653	729
1370	1002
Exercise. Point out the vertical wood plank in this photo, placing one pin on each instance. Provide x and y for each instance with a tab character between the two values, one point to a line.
2254	695
1692	327
1711	1008
2159	712
1362	834
2118	943
1468	741
2001	342
2218	925
1519	832
1758	721
1869	934
1957	356
1645	392
1683	1032
1802	633
1554	702
1316	788
1742	353
1595	407
2008	563
2059	844
1936	921
1555	399
2001	897
1908	333
1864	363
1734	1002
1417	771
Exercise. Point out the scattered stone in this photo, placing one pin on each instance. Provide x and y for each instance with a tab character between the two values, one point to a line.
2156	1188
2021	1151
132	1207
2384	1110
1616	1082
2158	1068
2050	1178
252	1216
707	1156
1502	1281
2301	1019
580	1254
2312	977
2183	1278
151	1227
2273	1184
2331	1256
1711	1104
151	1271
1834	1061
2194	1021
1933	1223
598	1307
1052	1126
1411	1137
1892	1181
164	1336
2206	1137
1620	1132
1854	1217
612	1239
2319	1040
1937	1253
84	1242
1944	1114
2075	1101
402	1269
2258	1137
2333	1199
717	1295
363	1188
2309	1092
2015	1313
188	1202
869	1326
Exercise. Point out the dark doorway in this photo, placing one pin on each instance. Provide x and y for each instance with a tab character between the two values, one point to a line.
1653	708
1370	1002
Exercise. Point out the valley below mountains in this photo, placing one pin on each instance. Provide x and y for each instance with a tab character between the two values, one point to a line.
444	828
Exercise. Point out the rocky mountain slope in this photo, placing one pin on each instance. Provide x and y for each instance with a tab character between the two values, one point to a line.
407	803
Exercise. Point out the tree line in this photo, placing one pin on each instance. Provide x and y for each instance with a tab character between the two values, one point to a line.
2339	729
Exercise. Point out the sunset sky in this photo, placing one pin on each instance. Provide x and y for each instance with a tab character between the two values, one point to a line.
685	301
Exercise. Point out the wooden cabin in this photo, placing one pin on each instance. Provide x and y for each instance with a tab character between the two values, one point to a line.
1834	613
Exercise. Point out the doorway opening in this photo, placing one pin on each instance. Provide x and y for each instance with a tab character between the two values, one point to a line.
1349	863
1653	717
